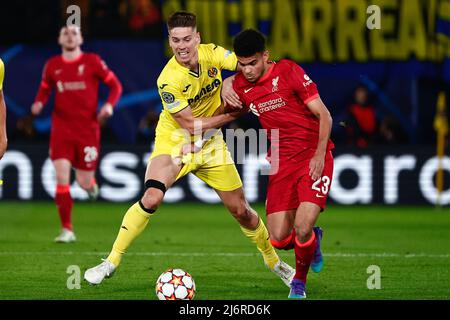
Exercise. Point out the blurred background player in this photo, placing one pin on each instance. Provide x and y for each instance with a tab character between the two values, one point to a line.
3	136
189	87
75	130
362	126
302	172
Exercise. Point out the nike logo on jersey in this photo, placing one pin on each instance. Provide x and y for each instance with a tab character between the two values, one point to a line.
186	88
163	85
123	227
318	195
247	90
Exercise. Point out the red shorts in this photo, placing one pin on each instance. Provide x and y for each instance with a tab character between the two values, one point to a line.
81	152
292	185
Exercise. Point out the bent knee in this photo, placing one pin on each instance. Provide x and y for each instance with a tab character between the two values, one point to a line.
152	199
303	234
240	212
281	240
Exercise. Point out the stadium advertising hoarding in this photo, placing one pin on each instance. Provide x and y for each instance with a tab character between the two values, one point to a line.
401	175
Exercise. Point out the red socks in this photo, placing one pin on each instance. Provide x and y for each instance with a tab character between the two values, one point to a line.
304	253
285	244
64	203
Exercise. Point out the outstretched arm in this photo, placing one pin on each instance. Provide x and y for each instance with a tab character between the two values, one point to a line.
196	126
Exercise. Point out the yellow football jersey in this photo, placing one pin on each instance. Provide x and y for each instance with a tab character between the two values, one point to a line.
2	74
180	87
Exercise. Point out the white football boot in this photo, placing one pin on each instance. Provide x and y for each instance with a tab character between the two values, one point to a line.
66	236
94	193
96	274
284	271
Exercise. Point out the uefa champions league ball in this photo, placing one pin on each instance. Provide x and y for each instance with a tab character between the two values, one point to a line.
175	284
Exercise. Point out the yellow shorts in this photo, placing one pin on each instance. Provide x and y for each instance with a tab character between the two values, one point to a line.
213	164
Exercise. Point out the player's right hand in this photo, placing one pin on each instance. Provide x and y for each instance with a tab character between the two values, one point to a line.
186	154
316	165
36	108
229	96
189	148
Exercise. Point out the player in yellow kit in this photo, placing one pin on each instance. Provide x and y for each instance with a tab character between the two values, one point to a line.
189	87
3	139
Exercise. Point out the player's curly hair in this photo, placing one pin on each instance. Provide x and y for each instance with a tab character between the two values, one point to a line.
182	19
249	42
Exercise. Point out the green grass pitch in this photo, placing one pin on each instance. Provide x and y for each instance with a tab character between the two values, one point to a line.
410	245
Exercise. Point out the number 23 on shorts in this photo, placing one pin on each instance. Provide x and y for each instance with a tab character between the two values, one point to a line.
325	181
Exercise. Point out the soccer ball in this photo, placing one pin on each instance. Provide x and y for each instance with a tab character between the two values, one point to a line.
175	284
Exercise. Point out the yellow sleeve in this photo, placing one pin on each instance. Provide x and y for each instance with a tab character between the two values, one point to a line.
171	97
2	74
225	58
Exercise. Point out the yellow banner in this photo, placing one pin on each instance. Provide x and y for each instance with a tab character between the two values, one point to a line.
324	30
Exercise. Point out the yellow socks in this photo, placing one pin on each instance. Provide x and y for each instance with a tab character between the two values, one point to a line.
260	236
134	222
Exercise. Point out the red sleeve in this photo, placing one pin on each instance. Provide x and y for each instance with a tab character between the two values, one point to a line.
303	86
115	88
109	78
46	85
101	69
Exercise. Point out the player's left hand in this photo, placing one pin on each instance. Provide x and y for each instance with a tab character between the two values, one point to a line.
316	166
105	112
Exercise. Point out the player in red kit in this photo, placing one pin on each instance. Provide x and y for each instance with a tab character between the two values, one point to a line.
75	130
285	99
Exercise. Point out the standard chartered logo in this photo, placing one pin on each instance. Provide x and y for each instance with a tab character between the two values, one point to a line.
254	110
269	105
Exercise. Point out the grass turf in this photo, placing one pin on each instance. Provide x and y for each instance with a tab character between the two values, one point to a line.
410	245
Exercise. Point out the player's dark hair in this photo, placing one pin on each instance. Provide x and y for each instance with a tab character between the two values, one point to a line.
249	42
182	19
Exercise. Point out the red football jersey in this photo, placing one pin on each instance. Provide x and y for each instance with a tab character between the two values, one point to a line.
76	99
279	100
